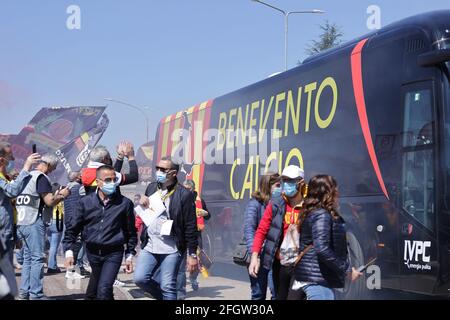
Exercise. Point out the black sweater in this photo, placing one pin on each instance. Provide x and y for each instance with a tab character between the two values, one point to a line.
106	227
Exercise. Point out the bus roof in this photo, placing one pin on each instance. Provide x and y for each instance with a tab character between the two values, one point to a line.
430	22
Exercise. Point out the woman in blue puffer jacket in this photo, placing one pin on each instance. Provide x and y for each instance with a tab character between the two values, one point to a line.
325	262
269	184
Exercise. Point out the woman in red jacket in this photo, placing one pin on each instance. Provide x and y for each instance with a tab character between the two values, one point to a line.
281	212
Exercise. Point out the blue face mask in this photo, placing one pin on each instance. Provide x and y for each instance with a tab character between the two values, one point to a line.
109	188
290	189
276	192
161	177
10	167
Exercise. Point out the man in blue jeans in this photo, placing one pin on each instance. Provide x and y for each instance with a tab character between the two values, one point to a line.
170	229
54	235
106	219
32	220
10	188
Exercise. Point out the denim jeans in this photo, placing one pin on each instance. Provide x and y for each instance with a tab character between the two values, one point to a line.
32	278
167	265
181	280
105	269
317	292
81	254
19	254
259	285
55	240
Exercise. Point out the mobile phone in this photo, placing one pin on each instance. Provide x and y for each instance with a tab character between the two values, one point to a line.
34	148
364	267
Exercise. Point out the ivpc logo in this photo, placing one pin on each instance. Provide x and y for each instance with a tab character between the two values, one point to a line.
416	251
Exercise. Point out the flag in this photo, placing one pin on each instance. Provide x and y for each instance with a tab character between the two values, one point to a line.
74	155
144	160
70	131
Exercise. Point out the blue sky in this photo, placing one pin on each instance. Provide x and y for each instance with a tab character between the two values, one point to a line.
164	54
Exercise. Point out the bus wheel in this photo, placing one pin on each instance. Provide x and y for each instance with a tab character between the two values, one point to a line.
353	290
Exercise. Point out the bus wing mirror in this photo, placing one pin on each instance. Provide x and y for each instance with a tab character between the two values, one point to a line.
433	58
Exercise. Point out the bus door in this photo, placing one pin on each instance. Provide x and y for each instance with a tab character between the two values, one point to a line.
444	212
418	241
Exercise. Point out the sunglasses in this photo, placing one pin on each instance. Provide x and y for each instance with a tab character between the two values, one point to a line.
165	170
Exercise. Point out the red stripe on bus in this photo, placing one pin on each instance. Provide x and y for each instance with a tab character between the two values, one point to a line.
169	138
195	114
358	89
206	126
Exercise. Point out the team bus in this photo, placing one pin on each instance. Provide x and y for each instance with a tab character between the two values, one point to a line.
374	113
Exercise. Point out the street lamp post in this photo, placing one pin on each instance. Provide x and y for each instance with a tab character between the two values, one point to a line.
286	24
140	109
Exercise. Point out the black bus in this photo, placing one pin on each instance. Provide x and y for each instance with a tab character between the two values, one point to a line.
374	113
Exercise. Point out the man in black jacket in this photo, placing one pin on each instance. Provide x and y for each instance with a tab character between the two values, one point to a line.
167	233
106	219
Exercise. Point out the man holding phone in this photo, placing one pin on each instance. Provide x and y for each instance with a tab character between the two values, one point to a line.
10	188
32	217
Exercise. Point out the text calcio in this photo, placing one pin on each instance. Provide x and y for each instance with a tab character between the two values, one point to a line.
247	125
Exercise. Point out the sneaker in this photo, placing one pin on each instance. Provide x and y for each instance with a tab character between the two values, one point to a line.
118	283
53	271
72	274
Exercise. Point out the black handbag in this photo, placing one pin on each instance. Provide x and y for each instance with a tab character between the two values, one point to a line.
241	256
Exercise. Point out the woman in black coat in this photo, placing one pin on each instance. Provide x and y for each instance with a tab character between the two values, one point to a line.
325	262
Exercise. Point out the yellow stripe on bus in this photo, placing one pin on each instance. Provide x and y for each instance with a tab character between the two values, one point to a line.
203	105
196	175
165	141
167	119
191	110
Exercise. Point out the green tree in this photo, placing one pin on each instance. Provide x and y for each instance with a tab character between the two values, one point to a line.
330	37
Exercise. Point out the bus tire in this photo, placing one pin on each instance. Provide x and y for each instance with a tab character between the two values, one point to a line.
354	290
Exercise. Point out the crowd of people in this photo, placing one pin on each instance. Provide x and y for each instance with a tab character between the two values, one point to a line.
293	230
91	218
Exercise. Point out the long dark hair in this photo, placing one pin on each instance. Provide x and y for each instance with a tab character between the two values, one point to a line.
322	194
264	191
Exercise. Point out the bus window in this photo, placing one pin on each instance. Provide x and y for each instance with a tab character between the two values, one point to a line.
418	155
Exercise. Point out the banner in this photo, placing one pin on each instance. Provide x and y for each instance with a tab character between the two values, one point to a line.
74	155
144	160
69	132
